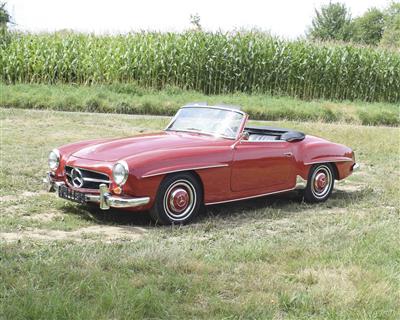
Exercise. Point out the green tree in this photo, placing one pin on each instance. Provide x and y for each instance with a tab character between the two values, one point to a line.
331	22
4	15
368	29
195	21
391	34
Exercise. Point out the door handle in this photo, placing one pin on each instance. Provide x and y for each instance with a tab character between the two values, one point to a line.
288	154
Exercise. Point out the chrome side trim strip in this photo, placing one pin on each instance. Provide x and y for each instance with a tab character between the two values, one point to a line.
244	198
264	141
314	162
300	184
187	169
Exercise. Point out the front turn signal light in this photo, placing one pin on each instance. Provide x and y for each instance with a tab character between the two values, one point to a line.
117	190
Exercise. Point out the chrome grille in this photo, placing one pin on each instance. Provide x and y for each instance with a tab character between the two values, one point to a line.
87	179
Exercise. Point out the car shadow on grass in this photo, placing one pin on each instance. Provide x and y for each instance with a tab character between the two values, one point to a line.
109	217
271	207
283	205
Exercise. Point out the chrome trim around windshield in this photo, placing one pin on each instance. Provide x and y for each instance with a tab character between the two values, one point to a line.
202	132
241	127
215	107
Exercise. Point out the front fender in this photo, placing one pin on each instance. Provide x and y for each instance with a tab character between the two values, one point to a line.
161	162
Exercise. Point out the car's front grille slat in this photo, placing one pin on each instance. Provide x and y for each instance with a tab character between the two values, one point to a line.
96	180
90	179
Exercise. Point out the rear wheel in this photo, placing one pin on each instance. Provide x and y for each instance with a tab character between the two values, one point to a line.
178	199
320	183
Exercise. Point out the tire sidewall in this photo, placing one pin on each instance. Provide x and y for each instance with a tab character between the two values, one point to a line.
159	213
308	193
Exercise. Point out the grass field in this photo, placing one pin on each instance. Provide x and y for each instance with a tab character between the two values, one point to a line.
268	258
132	99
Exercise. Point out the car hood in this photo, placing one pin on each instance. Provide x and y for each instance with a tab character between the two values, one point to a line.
118	149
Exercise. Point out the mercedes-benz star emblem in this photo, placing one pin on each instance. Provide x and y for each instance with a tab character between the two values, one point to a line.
76	177
181	199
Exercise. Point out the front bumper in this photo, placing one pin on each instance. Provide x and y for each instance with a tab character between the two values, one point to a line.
104	198
355	167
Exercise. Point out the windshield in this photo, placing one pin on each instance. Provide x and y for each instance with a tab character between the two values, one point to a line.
212	121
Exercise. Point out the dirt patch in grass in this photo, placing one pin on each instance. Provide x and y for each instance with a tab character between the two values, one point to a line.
44	217
100	233
334	285
349	187
23	195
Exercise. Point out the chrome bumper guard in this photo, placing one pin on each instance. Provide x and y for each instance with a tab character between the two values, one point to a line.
105	199
300	183
355	167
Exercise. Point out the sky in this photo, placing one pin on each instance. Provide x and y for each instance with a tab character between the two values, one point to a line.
284	18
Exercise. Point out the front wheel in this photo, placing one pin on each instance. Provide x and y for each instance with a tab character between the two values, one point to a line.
320	183
178	199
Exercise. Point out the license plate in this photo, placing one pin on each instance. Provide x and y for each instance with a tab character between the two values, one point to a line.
69	194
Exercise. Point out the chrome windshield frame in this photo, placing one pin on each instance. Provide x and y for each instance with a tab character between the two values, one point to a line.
239	131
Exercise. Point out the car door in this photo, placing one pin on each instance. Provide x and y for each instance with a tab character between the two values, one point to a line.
262	166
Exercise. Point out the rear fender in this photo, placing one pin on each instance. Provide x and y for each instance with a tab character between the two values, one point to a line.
315	150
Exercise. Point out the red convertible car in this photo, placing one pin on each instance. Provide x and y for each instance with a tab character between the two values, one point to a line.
206	155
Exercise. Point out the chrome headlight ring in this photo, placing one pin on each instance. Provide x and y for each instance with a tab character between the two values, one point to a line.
54	159
120	172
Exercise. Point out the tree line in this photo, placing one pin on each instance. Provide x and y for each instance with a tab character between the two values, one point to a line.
333	22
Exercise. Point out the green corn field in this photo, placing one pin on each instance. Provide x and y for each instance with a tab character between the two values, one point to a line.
212	63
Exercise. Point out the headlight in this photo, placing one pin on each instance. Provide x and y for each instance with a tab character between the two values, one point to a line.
120	172
54	159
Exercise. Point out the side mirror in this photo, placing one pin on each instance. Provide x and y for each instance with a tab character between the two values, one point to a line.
245	136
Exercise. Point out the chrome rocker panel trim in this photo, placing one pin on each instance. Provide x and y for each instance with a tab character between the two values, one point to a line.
105	199
300	185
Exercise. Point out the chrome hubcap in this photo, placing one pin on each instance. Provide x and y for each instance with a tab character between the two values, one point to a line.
321	182
179	200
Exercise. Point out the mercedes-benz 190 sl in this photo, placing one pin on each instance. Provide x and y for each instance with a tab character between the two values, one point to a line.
206	155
